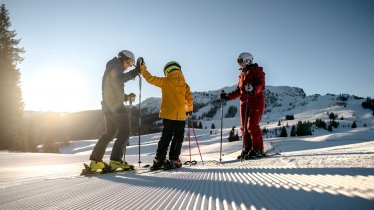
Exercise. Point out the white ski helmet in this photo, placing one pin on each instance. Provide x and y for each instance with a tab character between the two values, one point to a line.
126	54
245	57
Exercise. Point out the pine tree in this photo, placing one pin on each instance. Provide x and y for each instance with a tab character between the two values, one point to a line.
293	131
320	123
213	126
11	105
283	132
231	112
354	125
303	128
332	116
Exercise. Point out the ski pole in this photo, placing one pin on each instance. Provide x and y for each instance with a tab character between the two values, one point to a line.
140	113
189	136
129	98
220	152
124	151
197	143
140	62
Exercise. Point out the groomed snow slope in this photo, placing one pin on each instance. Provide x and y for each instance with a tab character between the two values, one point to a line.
323	172
329	170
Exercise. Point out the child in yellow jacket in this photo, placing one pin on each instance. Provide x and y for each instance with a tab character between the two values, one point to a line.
176	102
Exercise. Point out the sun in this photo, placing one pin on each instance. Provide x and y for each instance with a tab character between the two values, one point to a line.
57	90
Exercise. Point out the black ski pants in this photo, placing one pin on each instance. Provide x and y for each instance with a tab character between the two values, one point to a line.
173	131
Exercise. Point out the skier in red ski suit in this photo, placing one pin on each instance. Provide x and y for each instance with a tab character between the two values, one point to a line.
250	89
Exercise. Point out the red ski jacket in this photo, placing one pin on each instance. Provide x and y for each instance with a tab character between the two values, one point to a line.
251	75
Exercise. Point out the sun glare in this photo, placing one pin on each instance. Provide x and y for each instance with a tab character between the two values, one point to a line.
58	90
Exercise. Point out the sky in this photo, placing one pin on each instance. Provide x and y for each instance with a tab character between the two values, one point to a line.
321	46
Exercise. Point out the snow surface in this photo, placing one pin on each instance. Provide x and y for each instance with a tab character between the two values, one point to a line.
321	172
328	170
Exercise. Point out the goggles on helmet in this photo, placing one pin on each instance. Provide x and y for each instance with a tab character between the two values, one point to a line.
171	66
240	60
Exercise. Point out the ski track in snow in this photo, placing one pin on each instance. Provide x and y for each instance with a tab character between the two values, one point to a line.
235	185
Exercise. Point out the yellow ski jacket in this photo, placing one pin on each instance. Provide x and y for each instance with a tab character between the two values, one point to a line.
176	94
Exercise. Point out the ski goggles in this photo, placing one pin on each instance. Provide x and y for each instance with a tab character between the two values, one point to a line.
240	60
130	62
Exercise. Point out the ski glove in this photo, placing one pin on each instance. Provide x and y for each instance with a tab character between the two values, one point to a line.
140	61
189	114
224	96
130	97
139	64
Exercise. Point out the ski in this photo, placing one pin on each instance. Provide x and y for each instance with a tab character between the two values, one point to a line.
252	158
166	168
161	170
87	170
264	156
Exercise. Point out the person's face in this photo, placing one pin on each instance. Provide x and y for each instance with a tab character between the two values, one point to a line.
242	65
128	63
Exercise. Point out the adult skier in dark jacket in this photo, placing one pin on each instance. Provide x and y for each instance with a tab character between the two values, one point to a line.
250	90
116	116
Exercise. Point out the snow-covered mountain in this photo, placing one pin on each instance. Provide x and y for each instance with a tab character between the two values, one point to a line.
280	101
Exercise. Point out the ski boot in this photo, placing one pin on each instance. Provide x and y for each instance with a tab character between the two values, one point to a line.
244	152
172	164
254	153
97	165
114	165
168	165
157	165
176	163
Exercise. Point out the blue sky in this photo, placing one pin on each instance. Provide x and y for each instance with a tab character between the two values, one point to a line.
322	46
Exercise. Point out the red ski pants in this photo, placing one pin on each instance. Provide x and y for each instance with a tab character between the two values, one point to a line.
255	108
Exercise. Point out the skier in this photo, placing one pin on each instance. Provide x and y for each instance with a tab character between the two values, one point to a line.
116	116
250	89
176	102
